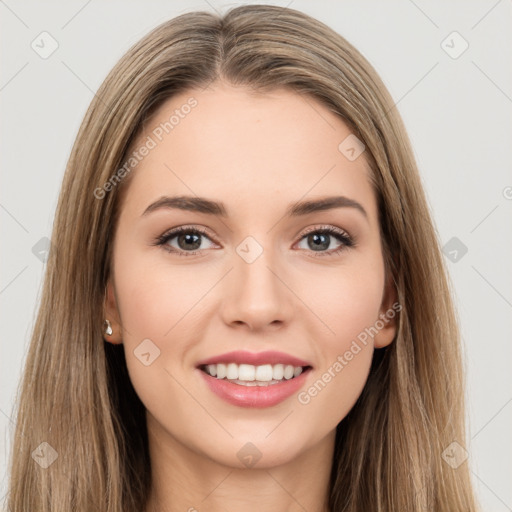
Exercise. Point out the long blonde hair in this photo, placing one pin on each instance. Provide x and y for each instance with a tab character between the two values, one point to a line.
76	394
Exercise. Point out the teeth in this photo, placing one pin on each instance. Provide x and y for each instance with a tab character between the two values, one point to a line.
232	371
278	371
251	375
263	373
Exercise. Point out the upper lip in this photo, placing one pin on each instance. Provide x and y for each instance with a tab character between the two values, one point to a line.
255	358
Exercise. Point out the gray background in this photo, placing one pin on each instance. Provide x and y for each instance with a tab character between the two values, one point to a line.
457	112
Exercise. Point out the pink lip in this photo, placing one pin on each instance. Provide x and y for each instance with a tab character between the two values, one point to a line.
256	359
254	396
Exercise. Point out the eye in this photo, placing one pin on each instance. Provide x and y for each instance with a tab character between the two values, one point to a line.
318	239
188	240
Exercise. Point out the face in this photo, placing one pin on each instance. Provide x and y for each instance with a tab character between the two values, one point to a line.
250	275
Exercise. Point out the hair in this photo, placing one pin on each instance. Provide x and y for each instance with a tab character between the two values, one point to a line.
76	394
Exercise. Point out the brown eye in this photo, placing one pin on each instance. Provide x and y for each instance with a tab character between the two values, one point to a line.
319	240
184	241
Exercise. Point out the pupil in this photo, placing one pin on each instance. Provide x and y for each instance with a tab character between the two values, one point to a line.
190	238
318	243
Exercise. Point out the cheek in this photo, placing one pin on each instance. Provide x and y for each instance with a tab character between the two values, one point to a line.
336	386
345	302
154	313
348	313
153	296
160	308
345	349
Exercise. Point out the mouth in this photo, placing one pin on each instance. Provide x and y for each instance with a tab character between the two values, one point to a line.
250	386
250	375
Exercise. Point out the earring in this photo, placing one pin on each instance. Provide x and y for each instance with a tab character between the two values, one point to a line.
108	328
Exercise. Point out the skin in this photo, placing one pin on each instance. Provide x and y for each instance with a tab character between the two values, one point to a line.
257	153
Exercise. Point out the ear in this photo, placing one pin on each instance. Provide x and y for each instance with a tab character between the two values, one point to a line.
111	314
388	315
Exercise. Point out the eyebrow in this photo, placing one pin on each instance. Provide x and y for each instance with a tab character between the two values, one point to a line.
208	206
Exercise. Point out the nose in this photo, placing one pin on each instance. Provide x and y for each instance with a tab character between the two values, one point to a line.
256	294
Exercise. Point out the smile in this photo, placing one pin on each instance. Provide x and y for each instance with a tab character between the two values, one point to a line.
250	375
255	393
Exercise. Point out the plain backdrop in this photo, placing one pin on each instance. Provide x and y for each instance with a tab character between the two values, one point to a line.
456	103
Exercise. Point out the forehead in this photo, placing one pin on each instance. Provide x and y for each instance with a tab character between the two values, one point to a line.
247	149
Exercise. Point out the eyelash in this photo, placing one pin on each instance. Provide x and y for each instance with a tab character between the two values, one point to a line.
342	236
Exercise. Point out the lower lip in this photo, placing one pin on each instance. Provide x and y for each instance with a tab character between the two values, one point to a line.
254	396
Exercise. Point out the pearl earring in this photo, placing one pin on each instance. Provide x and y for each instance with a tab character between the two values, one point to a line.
108	328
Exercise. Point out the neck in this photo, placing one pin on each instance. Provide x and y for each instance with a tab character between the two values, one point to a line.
185	480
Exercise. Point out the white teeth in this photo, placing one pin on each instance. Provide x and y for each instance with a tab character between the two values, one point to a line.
264	373
288	372
232	371
278	371
250	375
246	372
221	370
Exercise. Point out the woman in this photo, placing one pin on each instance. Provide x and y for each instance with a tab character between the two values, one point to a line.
304	355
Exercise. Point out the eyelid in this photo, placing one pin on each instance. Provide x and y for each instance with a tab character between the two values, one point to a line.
203	230
327	227
172	232
348	242
344	237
